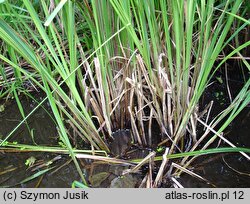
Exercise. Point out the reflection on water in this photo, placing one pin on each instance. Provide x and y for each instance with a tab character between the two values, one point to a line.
227	170
12	165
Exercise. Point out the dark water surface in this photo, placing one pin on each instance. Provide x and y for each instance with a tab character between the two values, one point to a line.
12	165
225	170
222	170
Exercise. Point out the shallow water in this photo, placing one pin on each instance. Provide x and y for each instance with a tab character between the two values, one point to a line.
224	170
12	165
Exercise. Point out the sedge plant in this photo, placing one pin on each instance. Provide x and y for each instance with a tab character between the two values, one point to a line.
113	64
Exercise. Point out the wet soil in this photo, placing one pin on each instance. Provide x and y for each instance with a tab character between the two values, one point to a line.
12	165
225	170
222	170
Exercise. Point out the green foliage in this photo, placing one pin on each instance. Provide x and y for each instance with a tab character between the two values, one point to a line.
114	64
77	184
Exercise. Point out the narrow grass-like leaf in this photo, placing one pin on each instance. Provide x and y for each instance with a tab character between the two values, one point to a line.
55	12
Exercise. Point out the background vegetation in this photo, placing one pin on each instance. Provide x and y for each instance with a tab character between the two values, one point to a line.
126	64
